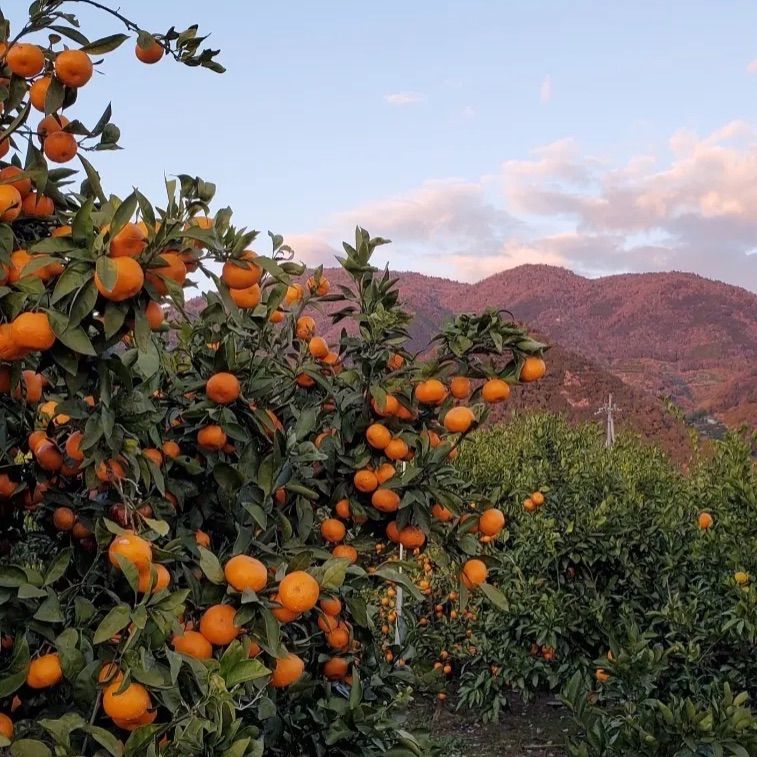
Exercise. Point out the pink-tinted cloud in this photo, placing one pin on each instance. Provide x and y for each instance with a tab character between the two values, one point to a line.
404	98
691	205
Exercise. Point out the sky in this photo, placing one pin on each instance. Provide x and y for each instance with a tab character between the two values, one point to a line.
477	135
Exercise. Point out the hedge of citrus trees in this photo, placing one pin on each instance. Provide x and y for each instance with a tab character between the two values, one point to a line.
193	512
630	588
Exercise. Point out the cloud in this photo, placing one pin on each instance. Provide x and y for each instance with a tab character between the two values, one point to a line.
752	67
400	99
690	204
468	112
545	90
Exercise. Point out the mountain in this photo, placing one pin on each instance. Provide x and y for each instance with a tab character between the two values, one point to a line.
637	336
673	334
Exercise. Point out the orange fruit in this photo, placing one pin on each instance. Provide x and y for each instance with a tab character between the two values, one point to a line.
378	435
6	726
44	671
146	718
440	512
460	387
110	470
64	518
336	669
222	388
395	361
474	573
217	625
345	550
495	390
25	60
317	347
170	267
32	387
133	548
388	407
459	419
339	638
412	537
293	294
705	521
529	505
305	327
128	242
393	532
38	92
282	614
109	673
61	146
245	572
331	606
32	331
150	54
532	369
202	539
397	449
10	203
287	670
430	392
538	498
211	438
601	675
48	456
23	185
73	68
130	279
384	472
20	267
154	315
192	644
37	205
130	704
333	530
51	124
365	480
385	500
247	298
491	522
241	273
7	486
171	449
298	591
342	509
161	580
319	286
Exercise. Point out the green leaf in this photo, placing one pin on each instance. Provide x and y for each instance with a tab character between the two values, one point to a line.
211	567
105	44
94	180
112	623
107	272
495	596
105	738
29	748
58	566
334	572
245	670
76	339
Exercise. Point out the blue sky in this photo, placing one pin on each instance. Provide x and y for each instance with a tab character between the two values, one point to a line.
477	135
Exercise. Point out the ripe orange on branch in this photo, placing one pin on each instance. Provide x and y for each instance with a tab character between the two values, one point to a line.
73	68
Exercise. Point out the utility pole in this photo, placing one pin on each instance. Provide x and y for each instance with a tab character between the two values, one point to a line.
608	409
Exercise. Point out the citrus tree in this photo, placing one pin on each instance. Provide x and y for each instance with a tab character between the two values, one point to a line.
194	511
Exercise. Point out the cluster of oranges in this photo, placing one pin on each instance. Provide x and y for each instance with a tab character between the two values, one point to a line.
534	502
